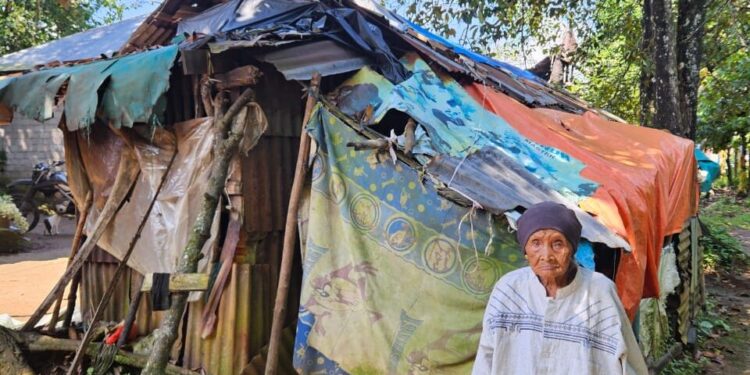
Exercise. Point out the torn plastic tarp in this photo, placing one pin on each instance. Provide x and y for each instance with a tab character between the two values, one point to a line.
167	230
168	227
265	12
132	87
646	179
210	21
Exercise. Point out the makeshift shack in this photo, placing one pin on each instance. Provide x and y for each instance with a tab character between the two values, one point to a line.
423	156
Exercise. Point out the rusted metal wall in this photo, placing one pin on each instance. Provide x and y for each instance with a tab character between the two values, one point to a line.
246	306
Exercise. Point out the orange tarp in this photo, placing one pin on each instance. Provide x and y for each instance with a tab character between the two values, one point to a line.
647	180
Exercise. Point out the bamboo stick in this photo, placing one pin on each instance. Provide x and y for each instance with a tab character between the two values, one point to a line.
126	177
290	232
74	246
118	273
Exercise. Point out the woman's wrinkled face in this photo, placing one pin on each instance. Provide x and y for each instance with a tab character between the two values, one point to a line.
549	254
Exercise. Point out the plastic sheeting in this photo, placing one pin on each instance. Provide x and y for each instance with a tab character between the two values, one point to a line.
382	250
646	180
709	170
178	204
134	86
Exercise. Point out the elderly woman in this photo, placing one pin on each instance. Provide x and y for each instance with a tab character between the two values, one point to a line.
554	317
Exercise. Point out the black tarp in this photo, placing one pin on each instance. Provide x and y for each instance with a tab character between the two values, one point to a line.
251	19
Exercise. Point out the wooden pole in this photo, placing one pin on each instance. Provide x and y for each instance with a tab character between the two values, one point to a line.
74	246
118	273
290	233
225	147
126	176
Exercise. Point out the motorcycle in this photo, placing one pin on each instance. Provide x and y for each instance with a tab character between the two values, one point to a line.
46	191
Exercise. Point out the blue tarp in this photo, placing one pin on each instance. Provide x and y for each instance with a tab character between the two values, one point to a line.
709	167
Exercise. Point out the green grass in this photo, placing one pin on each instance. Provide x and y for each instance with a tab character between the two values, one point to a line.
722	249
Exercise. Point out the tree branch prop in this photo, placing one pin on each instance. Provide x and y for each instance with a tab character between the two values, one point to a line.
74	246
224	149
290	232
118	273
126	177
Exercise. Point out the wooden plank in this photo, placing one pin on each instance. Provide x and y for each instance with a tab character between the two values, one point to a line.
179	282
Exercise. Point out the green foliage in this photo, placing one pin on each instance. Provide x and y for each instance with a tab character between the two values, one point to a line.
723	107
610	60
8	210
685	366
480	23
609	55
721	248
26	23
709	324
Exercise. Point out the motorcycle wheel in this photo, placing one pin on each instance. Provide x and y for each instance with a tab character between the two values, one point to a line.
28	209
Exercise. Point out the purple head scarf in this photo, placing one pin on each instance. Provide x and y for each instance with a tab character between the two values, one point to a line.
549	215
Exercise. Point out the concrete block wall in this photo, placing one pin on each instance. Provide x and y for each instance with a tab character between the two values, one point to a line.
27	142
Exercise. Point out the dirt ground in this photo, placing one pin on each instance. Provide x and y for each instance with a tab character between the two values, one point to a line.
27	277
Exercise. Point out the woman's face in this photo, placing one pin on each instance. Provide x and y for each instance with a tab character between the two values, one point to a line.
549	254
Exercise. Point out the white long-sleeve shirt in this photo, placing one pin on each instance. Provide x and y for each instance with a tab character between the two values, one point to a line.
584	330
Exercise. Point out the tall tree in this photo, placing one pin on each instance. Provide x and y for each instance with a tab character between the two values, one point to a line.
26	23
646	98
667	113
690	21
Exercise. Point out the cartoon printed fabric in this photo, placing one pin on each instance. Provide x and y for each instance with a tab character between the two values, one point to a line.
382	254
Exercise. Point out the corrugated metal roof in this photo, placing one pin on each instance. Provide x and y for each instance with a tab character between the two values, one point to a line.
84	45
500	184
325	57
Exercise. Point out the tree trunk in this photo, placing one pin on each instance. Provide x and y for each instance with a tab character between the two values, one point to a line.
666	91
647	66
227	143
690	21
